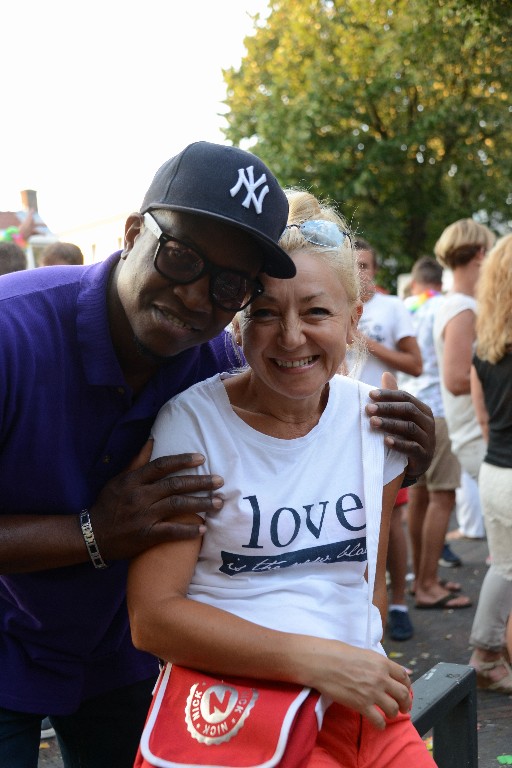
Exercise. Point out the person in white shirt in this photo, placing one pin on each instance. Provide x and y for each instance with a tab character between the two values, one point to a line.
385	327
289	582
387	332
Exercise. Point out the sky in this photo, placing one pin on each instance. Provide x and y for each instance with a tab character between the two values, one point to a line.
97	95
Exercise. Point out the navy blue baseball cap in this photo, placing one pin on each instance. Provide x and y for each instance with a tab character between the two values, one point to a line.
230	185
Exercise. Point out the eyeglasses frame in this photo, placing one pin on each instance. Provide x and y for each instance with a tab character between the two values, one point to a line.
209	268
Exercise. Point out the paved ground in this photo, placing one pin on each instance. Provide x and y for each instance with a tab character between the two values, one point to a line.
443	636
439	636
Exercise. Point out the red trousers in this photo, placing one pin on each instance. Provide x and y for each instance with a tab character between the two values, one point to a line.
349	740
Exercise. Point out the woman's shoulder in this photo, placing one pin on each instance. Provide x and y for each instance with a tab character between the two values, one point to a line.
350	383
201	391
347	386
458	302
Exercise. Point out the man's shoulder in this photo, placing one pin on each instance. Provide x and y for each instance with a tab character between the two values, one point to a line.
29	300
49	281
387	306
424	311
386	300
45	304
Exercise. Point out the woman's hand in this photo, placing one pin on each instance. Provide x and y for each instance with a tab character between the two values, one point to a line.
360	679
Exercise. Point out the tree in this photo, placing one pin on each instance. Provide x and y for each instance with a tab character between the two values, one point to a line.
399	111
485	12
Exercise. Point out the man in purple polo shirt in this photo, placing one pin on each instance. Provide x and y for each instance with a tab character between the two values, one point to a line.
87	357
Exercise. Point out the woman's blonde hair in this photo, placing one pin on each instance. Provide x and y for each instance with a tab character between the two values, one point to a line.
461	241
304	207
494	297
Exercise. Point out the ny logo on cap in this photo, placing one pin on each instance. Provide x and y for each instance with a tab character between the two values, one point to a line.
246	179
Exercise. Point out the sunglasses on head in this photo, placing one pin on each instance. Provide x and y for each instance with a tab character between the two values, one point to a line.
179	262
321	232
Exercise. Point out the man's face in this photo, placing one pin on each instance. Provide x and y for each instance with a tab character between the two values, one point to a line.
367	272
165	317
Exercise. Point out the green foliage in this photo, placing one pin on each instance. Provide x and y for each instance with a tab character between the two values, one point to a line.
485	12
399	111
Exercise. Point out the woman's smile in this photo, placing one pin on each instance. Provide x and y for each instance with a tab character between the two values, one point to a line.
301	363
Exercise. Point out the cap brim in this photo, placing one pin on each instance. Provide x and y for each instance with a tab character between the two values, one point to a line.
277	263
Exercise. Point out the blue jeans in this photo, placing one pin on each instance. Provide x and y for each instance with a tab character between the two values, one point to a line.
103	733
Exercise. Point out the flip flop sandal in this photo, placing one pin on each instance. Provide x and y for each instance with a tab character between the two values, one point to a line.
451	586
442	604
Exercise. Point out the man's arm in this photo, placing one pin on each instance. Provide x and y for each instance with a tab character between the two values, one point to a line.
406	356
408	423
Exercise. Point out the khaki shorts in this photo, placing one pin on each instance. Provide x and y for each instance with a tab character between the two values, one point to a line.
444	471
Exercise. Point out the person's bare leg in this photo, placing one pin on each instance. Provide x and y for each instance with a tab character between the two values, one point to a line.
399	623
501	673
508	637
490	633
435	526
428	587
416	511
397	558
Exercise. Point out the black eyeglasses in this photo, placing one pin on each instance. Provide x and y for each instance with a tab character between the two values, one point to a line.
175	260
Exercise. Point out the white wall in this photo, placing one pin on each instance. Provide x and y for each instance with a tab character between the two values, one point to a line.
97	239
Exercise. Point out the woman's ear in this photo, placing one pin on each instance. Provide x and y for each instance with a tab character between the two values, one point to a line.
482	253
354	321
237	331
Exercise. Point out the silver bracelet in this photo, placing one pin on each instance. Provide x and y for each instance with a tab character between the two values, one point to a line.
90	541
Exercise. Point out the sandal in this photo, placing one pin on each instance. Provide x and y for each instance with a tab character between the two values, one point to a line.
451	586
448	602
485	681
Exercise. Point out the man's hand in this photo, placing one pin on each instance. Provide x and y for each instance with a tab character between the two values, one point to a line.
408	422
140	507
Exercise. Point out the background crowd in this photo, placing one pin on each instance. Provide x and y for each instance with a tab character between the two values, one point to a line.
464	333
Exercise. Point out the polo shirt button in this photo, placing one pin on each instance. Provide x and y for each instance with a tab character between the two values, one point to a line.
106	459
120	390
